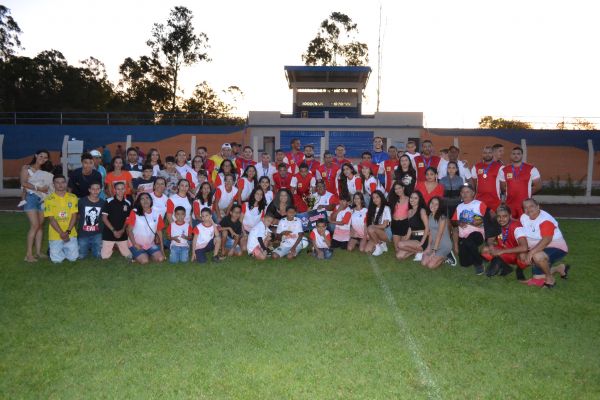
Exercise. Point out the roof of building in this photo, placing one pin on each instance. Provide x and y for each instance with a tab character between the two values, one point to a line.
326	74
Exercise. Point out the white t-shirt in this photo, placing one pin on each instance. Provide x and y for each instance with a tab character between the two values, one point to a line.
341	233
180	231
246	186
269	171
463	171
224	197
144	227
385	216
371	185
205	235
159	203
535	229
252	216
467	211
259	231
358	222
294	226
354	185
318	240
184	170
175	201
269	197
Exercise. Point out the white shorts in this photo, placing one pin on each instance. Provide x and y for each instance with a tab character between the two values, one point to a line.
283	251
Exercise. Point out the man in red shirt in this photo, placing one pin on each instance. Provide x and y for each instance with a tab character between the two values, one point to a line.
309	159
327	172
282	179
498	152
340	154
295	157
425	160
280	158
388	167
245	160
485	176
302	185
519	180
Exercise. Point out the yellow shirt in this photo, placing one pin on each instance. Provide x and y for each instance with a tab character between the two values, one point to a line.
61	208
218	160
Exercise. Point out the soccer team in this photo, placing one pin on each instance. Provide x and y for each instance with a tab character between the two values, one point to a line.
432	207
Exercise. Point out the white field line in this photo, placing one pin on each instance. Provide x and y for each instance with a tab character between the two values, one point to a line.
426	376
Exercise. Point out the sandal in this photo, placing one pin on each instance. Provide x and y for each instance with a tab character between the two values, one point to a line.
566	274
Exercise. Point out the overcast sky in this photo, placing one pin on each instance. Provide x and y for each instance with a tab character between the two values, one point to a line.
453	60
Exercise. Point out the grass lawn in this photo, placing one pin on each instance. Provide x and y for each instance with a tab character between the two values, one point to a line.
353	327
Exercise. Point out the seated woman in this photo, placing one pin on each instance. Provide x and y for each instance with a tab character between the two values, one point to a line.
418	229
378	222
144	231
469	218
252	212
340	218
398	203
440	245
503	251
279	205
358	224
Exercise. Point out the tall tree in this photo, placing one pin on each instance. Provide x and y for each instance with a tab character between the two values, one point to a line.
179	45
489	122
9	34
336	39
144	84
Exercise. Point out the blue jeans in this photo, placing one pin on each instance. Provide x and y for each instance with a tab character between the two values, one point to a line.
93	241
59	250
179	254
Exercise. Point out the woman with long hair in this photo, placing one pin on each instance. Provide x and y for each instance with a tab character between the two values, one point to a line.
265	184
197	175
370	181
430	187
144	231
452	182
204	199
358	224
159	198
278	207
349	181
378	220
36	190
118	174
153	158
398	203
224	197
226	168
440	245
406	174
180	199
418	229
246	184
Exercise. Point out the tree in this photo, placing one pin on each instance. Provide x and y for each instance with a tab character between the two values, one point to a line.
489	122
144	84
327	46
579	124
9	34
206	102
179	46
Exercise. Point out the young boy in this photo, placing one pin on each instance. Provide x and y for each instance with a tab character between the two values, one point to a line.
61	210
179	233
231	232
291	233
206	238
260	238
321	241
171	175
145	183
89	222
340	217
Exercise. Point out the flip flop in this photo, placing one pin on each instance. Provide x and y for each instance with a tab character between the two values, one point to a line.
566	274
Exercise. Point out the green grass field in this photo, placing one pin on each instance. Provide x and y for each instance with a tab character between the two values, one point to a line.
354	327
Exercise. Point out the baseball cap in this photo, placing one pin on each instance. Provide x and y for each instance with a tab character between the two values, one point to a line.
95	153
226	146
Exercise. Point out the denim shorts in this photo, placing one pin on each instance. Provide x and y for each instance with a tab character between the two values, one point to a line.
554	254
136	253
33	202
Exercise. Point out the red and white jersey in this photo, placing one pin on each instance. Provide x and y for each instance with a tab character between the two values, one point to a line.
341	233
223	198
192	178
159	203
466	211
303	184
543	226
313	165
422	163
267	171
372	166
197	207
355	184
144	227
371	184
387	169
220	179
181	231
518	181
507	238
282	182
327	199
358	223
245	186
488	184
204	234
184	170
294	226
175	200
259	231
241	164
386	216
329	174
319	241
294	159
252	216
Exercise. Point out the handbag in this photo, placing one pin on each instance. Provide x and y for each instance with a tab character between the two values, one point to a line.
156	237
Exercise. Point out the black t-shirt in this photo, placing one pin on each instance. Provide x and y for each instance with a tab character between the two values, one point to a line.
143	185
117	212
80	183
90	217
226	222
132	167
407	179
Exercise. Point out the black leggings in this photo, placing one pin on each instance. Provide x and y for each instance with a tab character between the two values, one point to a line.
468	250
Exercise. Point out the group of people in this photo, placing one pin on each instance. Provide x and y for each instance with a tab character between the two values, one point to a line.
430	207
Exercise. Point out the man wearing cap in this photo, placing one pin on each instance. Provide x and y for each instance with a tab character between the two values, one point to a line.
225	154
81	179
100	168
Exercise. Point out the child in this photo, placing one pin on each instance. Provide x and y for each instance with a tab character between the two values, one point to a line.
224	197
340	217
206	238
179	233
145	183
321	241
291	233
231	232
260	238
171	175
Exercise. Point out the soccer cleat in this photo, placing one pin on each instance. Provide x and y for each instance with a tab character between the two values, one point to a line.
479	270
451	259
418	257
378	250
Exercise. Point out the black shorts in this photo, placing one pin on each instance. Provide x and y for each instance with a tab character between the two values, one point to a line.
418	238
336	244
399	227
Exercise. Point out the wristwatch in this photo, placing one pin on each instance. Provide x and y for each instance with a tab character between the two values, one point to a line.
68	231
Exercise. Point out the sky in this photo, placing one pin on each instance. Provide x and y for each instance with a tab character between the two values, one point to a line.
455	61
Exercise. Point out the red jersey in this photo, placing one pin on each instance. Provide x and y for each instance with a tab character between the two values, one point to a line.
507	239
341	162
488	184
437	191
422	163
328	175
313	166
282	182
295	158
518	185
389	166
241	164
209	166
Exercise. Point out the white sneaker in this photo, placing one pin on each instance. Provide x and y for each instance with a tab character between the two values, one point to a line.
418	257
21	203
383	246
378	251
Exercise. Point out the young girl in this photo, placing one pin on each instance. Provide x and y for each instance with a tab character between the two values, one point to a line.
198	175
252	212
203	199
418	225
349	182
358	229
340	217
265	184
259	238
159	199
227	168
378	220
405	174
370	181
224	197
398	203
440	244
181	198
246	184
321	241
144	226
430	187
153	158
117	174
206	238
